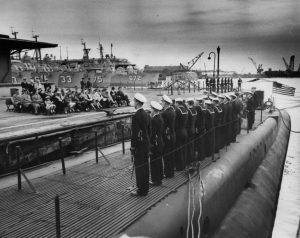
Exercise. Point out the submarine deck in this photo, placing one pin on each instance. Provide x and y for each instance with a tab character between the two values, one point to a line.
94	198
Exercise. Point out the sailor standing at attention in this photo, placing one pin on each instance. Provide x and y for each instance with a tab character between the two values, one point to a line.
191	129
157	144
181	134
209	126
140	145
200	128
168	115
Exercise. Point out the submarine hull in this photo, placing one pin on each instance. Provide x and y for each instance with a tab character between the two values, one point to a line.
222	185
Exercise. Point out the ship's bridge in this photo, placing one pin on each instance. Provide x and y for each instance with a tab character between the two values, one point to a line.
9	46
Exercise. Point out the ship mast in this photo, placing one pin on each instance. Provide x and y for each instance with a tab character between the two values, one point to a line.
100	51
14	33
37	52
85	52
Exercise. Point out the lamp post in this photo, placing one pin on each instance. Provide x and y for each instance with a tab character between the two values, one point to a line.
214	61
218	63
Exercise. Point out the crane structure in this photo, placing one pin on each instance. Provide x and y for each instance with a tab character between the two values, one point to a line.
182	77
191	63
291	66
258	68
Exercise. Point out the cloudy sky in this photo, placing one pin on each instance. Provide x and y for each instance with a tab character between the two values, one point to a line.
164	32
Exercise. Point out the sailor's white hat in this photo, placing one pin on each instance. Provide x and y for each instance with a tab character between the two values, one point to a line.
200	98
216	99
221	96
178	100
228	97
189	100
166	99
140	97
214	94
233	95
208	102
156	105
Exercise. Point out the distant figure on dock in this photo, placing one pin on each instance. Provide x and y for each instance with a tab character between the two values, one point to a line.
140	145
83	85
46	85
240	84
157	144
24	84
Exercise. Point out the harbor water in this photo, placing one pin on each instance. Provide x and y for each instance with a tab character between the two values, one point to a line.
287	219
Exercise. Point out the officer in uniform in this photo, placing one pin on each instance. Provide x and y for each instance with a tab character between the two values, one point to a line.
250	110
140	145
157	144
191	129
200	128
209	126
181	134
218	124
168	116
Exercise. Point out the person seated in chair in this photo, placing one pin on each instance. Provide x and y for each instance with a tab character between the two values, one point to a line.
97	97
16	100
49	105
61	105
26	100
121	97
105	101
37	102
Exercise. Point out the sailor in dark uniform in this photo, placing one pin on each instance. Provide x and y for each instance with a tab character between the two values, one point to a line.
229	120
218	124
225	85
222	85
250	110
157	144
140	145
240	109
209	126
235	123
181	134
218	85
207	84
191	129
223	129
200	128
168	115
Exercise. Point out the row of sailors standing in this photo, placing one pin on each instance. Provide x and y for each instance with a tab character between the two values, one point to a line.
181	134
